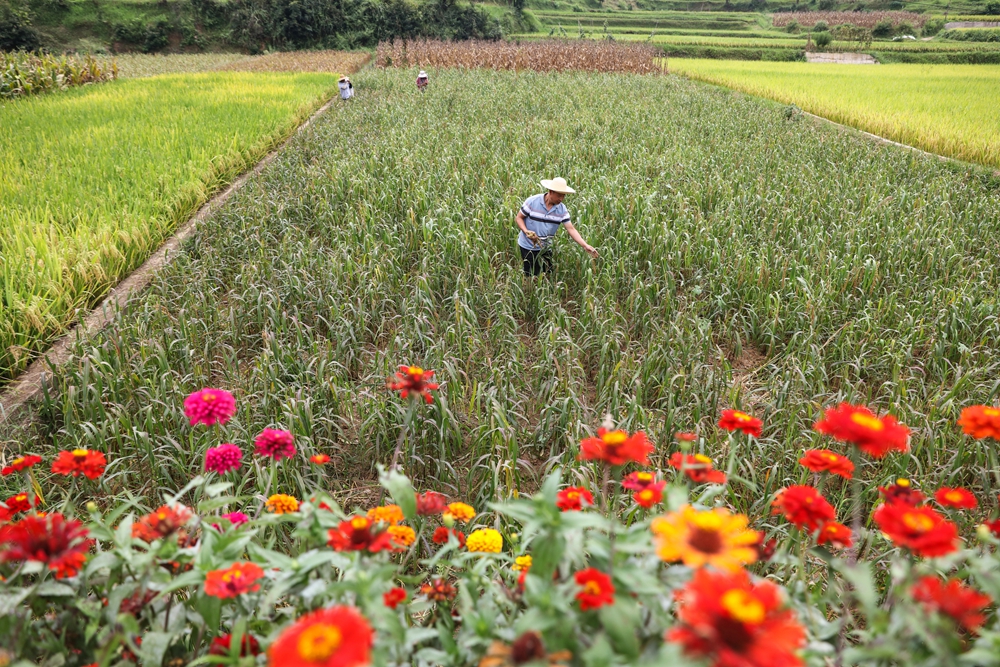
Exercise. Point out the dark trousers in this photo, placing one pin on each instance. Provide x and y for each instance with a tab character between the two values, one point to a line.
536	261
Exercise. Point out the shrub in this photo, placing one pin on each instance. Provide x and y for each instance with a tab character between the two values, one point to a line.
906	29
883	28
792	27
993	8
820	26
16	31
822	39
932	27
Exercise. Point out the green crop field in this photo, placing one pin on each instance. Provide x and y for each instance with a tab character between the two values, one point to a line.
946	109
93	179
745	259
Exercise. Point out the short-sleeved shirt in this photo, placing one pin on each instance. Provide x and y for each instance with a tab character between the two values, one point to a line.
542	220
346	90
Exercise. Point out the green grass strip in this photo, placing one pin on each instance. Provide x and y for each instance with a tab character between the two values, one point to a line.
93	180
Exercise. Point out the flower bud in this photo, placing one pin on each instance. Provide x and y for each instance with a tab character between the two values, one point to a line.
514	537
295	565
91	506
448	519
983	531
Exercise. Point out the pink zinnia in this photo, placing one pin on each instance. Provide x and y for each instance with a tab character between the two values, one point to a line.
236	518
223	458
209	406
275	443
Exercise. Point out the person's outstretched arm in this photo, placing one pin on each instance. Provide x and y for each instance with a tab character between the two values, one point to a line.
575	235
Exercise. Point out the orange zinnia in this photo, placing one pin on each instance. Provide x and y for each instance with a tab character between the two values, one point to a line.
698	468
712	537
356	534
87	462
962	604
981	421
875	436
835	534
823	460
919	529
957	498
596	589
335	637
804	506
573	498
616	448
235	580
734	420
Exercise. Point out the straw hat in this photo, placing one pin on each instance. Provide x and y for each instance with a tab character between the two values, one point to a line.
422	75
345	78
558	184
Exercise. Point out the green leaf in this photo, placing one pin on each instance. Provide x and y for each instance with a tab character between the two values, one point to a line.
399	487
54	589
210	608
155	645
620	621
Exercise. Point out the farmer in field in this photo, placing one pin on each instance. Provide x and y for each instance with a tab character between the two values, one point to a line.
539	219
346	88
422	80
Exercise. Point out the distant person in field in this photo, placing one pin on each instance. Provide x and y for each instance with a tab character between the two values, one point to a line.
539	220
422	80
346	88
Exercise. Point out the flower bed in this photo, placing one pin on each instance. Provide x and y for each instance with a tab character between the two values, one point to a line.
646	567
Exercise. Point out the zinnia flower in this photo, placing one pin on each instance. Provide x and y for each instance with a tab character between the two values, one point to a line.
223	458
823	460
803	506
438	590
275	443
18	503
875	436
393	597
460	512
402	536
430	503
712	537
835	534
727	618
616	448
698	468
484	540
637	481
684	436
391	514
963	604
86	461
236	518
248	646
522	563
441	535
413	380
573	498
21	463
162	523
765	548
235	580
319	459
209	406
957	498
734	420
56	542
920	529
356	535
993	526
902	493
335	637
596	589
649	496
980	422
281	503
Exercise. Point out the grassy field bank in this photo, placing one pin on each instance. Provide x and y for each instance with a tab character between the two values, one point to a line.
946	109
746	259
91	180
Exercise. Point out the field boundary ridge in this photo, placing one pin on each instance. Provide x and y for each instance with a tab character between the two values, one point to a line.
28	385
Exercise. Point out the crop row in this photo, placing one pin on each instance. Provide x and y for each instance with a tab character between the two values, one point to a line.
23	74
862	19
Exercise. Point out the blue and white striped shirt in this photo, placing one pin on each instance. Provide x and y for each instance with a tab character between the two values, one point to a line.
543	221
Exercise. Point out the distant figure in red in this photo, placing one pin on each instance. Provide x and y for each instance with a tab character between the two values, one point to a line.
421	80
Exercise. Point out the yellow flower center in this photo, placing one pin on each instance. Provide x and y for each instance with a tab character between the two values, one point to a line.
615	437
232	575
741	416
80	453
572	495
592	587
701	458
359	523
415	370
864	421
903	482
954	496
18	461
646	495
831	457
644	477
991	412
918	522
208	398
317	643
743	607
21	496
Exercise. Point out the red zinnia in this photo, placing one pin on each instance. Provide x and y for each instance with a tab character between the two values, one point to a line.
235	580
803	506
835	534
823	460
573	498
637	481
248	646
335	637
920	529
596	589
431	502
59	543
957	498
735	622
698	468
616	447
649	496
18	503
275	443
21	463
980	422
356	534
684	436
86	461
162	523
963	604
209	406
875	436
319	459
734	420
393	597
902	493
441	535
413	380
993	527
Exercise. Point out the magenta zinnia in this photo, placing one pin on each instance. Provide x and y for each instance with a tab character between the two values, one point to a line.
223	458
209	406
275	443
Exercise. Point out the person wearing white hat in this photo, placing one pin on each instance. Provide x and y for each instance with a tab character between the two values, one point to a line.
421	80
346	88
539	219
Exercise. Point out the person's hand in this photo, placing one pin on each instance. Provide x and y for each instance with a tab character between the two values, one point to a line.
592	250
532	236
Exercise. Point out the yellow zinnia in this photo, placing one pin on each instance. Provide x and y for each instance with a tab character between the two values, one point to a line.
712	537
404	536
280	503
522	563
391	514
460	512
485	540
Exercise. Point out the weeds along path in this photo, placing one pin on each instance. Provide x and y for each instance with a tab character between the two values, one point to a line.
745	260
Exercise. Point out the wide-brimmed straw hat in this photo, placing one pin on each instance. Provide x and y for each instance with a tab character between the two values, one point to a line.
558	184
422	75
345	78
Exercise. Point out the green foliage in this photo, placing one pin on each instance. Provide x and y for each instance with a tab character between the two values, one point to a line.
150	37
822	39
883	28
932	27
23	74
973	35
16	31
792	27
